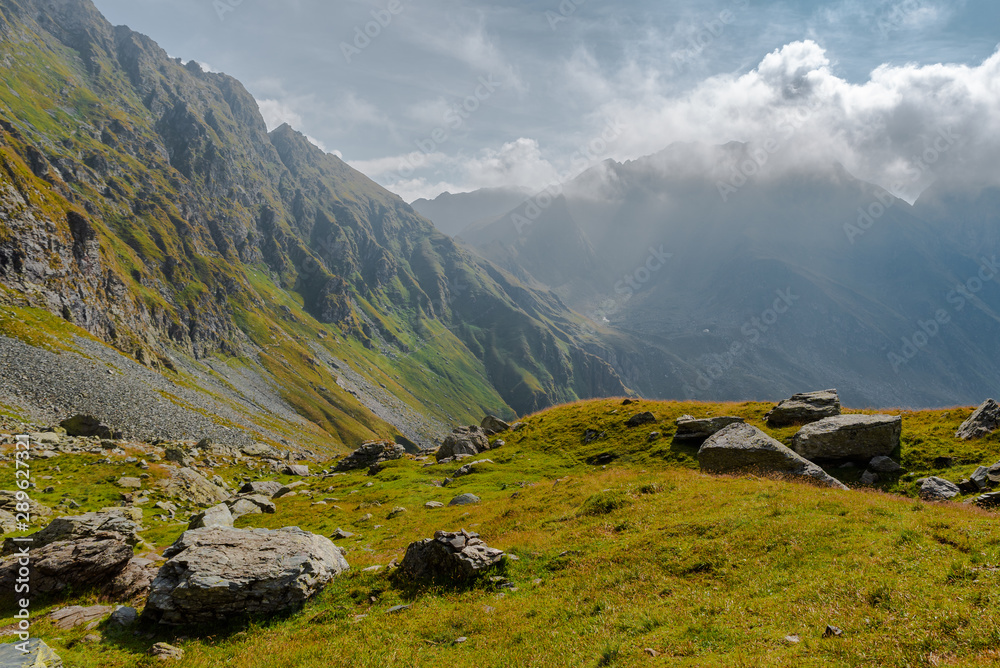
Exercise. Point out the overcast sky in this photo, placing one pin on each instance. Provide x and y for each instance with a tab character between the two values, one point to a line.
456	95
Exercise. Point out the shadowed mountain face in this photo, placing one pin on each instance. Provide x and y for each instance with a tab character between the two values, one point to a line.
454	213
800	277
144	201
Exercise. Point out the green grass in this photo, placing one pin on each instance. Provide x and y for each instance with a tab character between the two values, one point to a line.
644	552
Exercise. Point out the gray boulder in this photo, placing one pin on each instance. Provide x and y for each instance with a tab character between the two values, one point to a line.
938	489
882	464
133	581
692	431
266	488
743	447
983	422
849	437
454	556
464	500
39	655
88	425
300	470
216	516
262	451
371	455
88	562
218	574
804	408
250	504
468	441
124	616
494	425
78	527
188	484
641	419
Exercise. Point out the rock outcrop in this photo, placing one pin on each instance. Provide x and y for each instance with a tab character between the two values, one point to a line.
78	527
804	408
188	484
693	431
743	447
493	425
983	422
216	516
39	655
83	563
218	574
469	441
451	556
861	437
371	456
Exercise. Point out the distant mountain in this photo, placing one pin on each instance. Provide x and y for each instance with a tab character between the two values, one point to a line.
801	277
453	214
144	201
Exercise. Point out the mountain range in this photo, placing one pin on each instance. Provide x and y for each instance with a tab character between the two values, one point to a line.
145	204
723	281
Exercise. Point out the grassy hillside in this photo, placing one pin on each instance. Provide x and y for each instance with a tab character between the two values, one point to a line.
644	552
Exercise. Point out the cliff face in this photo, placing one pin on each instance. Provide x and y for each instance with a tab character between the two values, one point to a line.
144	201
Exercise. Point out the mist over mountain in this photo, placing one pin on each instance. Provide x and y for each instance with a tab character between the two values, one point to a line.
454	213
730	272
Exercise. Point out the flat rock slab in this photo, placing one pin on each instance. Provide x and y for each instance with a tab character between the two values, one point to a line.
849	437
743	447
983	422
696	431
218	574
804	408
76	615
39	655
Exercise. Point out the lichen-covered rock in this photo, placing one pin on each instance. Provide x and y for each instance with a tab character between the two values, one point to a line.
641	419
860	437
469	441
371	454
743	447
804	408
218	574
983	422
216	516
455	556
39	655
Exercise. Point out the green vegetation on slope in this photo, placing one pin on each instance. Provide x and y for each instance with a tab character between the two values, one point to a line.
644	552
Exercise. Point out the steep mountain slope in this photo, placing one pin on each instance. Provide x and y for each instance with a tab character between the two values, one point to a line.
798	277
144	201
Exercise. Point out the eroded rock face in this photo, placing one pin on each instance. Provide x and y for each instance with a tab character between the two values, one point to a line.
743	447
82	563
370	455
983	422
217	574
804	408
861	437
455	556
469	441
78	527
695	432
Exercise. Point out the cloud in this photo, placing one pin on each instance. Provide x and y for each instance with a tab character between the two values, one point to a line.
887	130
